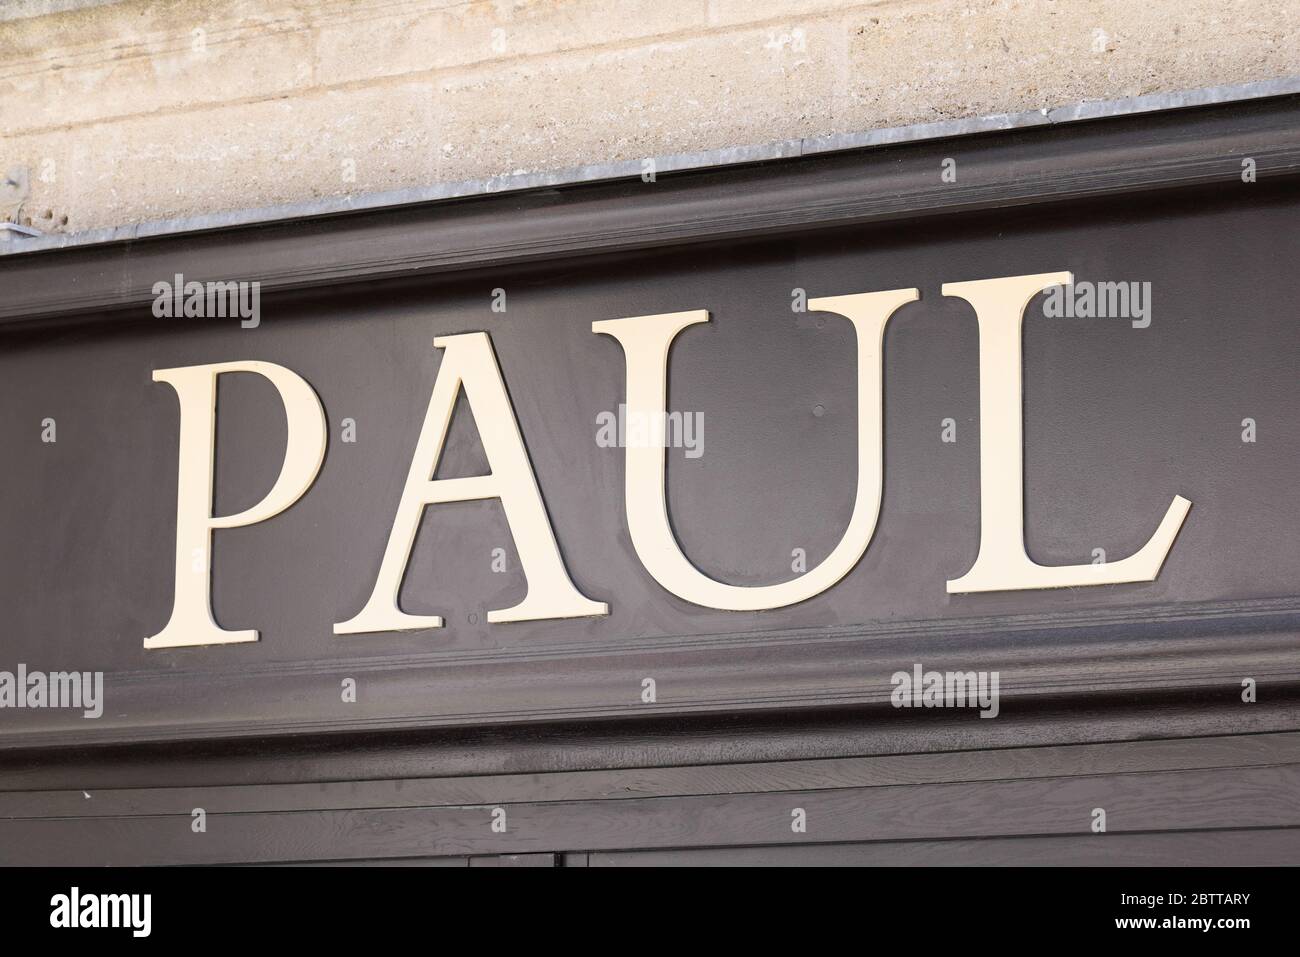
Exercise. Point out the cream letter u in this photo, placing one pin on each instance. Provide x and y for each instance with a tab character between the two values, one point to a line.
646	341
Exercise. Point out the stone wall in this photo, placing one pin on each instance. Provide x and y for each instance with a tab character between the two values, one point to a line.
124	112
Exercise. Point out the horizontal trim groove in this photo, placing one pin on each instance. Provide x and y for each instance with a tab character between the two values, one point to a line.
1127	757
1163	649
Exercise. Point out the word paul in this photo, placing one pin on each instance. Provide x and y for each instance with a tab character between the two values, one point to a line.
671	430
57	689
75	909
469	364
946	689
213	300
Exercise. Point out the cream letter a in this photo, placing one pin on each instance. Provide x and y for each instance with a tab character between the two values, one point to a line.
469	361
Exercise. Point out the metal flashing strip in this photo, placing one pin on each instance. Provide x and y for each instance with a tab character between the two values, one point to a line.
629	169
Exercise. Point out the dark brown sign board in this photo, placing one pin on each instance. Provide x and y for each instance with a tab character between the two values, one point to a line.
1199	398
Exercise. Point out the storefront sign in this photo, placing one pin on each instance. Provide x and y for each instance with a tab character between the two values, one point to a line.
469	364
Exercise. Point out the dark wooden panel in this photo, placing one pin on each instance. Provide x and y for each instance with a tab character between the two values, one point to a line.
1239	751
1263	797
